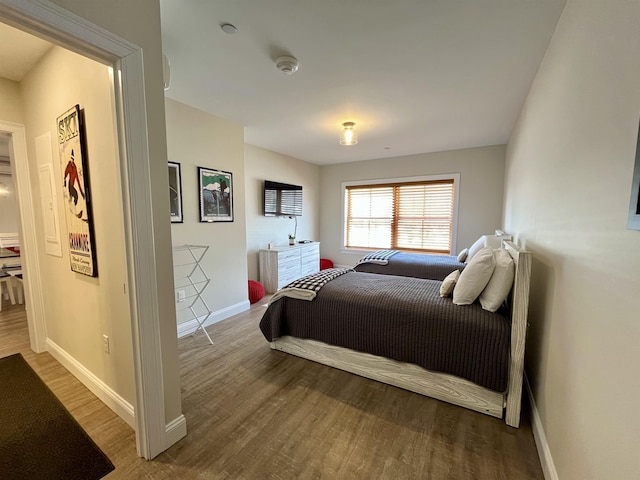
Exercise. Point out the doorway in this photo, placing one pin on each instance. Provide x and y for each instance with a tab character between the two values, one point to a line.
153	433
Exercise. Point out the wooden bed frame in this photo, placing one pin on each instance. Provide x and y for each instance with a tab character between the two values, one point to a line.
441	386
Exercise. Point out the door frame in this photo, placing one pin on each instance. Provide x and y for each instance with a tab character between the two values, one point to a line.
34	302
64	28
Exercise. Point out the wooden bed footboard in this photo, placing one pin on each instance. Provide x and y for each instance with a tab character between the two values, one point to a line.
519	313
411	377
448	388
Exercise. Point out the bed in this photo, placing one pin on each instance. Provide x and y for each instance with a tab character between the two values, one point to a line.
418	265
431	358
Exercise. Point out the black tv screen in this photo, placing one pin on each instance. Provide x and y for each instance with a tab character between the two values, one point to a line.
282	199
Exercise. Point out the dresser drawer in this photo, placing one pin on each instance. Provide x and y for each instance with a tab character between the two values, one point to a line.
309	269
288	255
311	250
310	262
289	268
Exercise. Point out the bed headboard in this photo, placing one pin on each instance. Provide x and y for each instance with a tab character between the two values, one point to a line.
519	312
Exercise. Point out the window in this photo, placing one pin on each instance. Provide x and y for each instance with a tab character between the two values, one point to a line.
413	216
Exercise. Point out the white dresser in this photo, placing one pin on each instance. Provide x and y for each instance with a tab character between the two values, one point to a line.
284	263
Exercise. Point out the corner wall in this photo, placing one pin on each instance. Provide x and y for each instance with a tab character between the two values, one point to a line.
11	101
198	139
80	309
264	165
568	181
481	186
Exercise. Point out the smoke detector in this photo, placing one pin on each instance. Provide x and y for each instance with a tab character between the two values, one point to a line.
287	64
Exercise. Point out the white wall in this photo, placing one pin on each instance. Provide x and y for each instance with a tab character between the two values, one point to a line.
197	139
11	101
261	165
80	309
480	203
8	206
568	181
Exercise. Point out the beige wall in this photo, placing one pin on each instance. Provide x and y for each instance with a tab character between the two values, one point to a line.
139	22
8	205
480	204
80	309
11	101
197	139
264	165
11	111
568	181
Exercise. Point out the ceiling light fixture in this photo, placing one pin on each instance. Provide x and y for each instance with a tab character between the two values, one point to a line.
228	28
287	64
348	136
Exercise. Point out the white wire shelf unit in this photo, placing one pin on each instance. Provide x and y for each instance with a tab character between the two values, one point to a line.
190	281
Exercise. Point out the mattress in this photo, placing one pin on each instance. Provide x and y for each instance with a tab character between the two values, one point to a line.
418	265
401	318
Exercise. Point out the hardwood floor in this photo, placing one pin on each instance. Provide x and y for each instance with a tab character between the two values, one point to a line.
253	413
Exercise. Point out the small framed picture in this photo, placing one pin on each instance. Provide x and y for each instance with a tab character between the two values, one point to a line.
175	192
216	195
633	219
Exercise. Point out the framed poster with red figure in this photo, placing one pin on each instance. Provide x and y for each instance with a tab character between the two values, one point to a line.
76	195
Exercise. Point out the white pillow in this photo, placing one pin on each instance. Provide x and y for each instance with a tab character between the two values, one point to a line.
474	277
500	283
493	241
449	282
475	248
462	256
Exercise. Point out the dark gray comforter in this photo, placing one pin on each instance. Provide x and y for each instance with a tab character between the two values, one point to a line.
418	265
400	318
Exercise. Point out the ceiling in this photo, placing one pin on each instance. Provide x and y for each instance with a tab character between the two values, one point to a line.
20	51
415	75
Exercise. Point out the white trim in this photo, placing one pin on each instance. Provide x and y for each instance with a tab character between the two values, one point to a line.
176	429
48	195
548	467
74	32
190	326
140	254
100	389
422	178
34	301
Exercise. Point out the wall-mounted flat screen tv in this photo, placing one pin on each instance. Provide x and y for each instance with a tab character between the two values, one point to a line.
282	199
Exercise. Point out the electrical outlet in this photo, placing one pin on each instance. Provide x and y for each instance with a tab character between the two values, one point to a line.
105	343
181	296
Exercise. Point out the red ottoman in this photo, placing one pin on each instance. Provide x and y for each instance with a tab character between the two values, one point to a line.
325	263
256	291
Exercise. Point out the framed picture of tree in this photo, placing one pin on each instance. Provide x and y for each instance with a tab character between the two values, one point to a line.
216	195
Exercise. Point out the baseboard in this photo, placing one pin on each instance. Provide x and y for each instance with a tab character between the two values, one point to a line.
188	327
100	389
548	467
175	430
